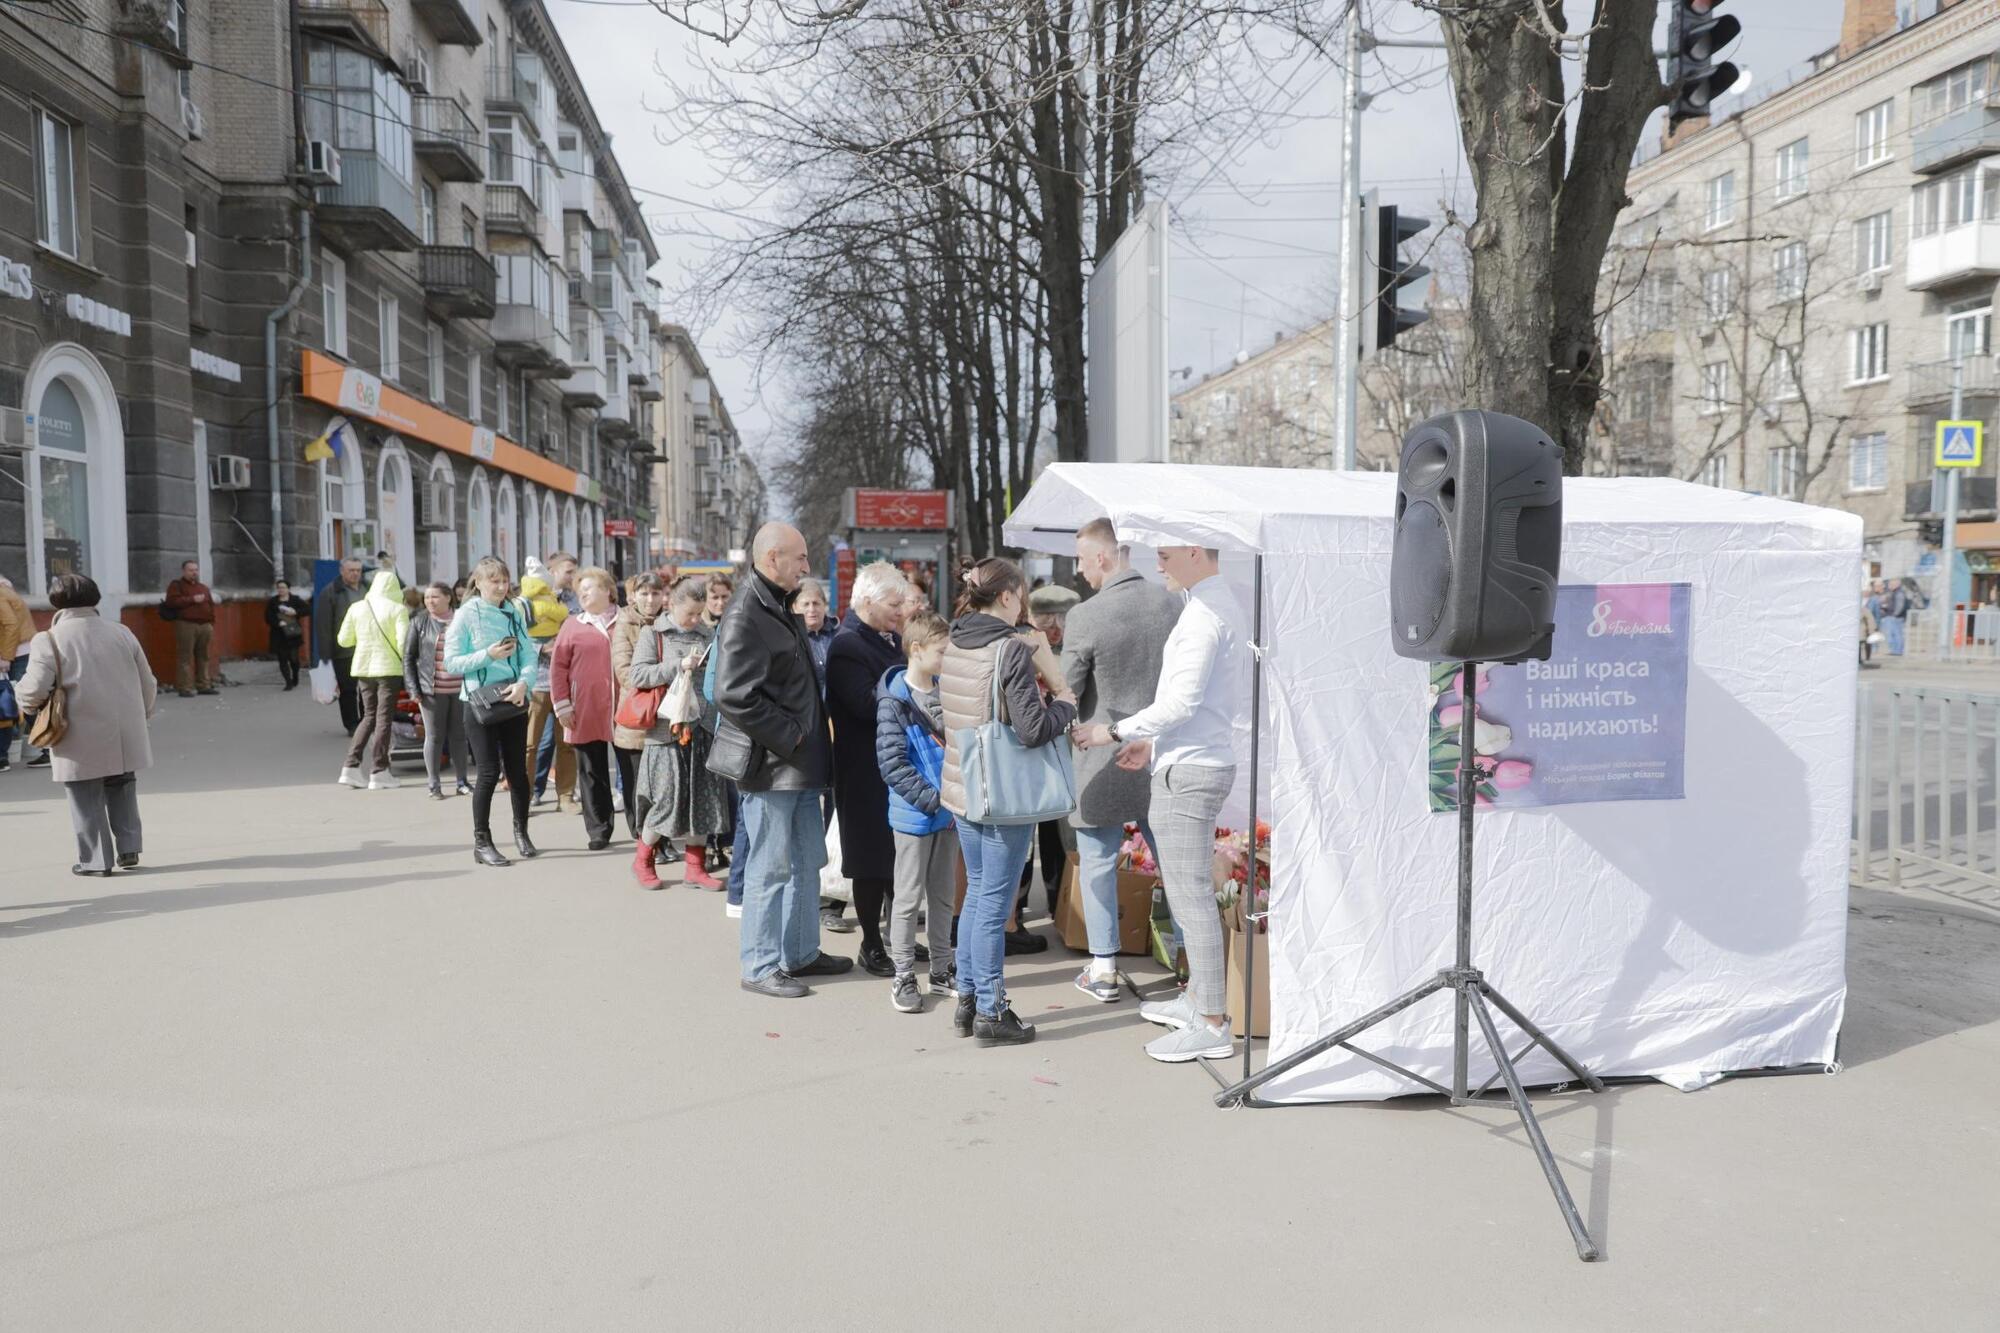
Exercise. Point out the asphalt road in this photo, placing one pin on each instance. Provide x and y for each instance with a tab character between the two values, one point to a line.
313	1069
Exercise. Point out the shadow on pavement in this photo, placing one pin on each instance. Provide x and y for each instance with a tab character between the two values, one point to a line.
152	902
367	851
1916	971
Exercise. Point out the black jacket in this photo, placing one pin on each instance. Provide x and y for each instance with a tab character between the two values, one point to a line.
855	663
329	611
280	641
765	686
420	643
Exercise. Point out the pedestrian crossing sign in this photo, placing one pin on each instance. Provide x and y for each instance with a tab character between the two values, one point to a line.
1960	443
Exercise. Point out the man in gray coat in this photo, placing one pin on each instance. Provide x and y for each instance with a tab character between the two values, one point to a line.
1112	646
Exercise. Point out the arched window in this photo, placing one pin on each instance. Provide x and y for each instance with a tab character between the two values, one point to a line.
443	516
507	527
551	528
531	527
343	500
76	474
479	519
395	509
570	541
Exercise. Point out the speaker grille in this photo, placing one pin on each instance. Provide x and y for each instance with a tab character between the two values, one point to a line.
1420	572
1506	535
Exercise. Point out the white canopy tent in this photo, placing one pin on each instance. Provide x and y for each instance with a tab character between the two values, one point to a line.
1677	939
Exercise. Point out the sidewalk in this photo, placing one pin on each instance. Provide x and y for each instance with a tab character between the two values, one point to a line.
314	1070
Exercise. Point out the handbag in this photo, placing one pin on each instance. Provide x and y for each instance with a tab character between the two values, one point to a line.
640	709
489	703
1006	782
683	704
52	722
10	707
733	755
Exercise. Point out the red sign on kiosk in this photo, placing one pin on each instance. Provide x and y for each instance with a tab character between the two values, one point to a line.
621	527
899	511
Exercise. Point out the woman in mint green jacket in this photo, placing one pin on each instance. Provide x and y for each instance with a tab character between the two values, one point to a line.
488	644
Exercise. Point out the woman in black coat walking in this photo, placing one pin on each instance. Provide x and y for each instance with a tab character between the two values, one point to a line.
286	613
864	647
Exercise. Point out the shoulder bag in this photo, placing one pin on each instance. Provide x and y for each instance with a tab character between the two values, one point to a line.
734	755
1006	782
489	702
640	709
52	722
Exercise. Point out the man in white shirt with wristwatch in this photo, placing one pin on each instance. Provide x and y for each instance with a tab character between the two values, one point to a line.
1187	735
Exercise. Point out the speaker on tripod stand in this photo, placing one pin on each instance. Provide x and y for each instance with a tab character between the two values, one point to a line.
1472	580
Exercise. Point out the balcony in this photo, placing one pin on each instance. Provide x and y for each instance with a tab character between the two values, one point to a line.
1926	499
646	386
450	20
1930	381
516	87
364	21
1972	132
527	340
585	386
458	282
371	209
445	139
511	208
1971	250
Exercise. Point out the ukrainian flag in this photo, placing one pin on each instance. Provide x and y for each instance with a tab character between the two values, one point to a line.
333	442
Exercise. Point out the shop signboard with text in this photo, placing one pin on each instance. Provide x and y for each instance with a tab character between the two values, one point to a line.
897	511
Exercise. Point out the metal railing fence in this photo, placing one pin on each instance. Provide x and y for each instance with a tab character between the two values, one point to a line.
1927	770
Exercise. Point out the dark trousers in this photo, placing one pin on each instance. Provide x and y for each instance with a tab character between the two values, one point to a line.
593	782
350	697
628	782
871	894
501	747
378	711
288	664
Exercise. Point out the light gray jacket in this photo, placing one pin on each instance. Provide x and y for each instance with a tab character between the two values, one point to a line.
1112	645
109	691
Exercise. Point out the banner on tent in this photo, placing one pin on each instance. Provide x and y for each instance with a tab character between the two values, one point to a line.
1604	719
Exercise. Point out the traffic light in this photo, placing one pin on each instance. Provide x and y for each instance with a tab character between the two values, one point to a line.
1385	230
1695	33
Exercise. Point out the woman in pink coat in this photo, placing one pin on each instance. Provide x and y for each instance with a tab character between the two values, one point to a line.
585	695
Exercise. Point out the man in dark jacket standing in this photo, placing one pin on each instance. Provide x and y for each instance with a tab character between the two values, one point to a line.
864	649
193	612
767	691
329	613
1114	644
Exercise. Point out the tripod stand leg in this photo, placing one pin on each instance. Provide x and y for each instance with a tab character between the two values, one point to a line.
1586	1248
1234	1094
1541	1038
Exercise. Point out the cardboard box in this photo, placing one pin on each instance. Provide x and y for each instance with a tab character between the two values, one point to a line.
1259	1022
1135	911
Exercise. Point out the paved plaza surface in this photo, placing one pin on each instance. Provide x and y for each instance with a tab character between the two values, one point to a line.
313	1069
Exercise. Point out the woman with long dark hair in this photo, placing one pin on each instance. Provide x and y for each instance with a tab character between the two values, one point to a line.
986	644
488	646
429	681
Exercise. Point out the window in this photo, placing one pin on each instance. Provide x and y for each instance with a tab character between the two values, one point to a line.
359	106
468	227
1950	92
1874	241
500	150
1714	471
1782	380
434	356
1788	271
427	213
1654	308
505	423
1718	293
474	410
333	298
1791	182
1714	387
55	184
1868	462
1965	196
1968	329
1721	201
1871	134
1868	354
1783	469
391	328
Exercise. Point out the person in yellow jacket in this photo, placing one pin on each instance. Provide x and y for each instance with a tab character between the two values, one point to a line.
546	615
374	629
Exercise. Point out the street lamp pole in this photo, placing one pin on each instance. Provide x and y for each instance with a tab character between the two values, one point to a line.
1347	328
1946	560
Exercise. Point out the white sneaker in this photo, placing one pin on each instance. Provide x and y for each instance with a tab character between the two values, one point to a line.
1175	1013
1197	1041
383	781
351	777
734	911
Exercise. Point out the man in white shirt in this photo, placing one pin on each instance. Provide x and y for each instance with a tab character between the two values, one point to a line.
1187	735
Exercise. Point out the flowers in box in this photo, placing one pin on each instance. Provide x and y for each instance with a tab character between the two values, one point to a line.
1135	855
1243	863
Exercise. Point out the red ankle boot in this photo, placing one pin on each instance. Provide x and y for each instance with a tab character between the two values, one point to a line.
695	874
642	866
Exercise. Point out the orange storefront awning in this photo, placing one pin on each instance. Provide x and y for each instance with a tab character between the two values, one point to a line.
364	396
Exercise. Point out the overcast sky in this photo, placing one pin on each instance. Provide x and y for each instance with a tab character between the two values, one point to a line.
1255	244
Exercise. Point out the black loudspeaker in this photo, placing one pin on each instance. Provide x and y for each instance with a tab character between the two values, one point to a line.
1478	540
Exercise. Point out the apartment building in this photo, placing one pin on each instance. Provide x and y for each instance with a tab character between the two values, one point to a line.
427	229
1796	279
703	486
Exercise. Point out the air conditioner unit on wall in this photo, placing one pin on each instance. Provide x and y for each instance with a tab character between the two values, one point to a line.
417	71
1869	282
322	163
433	507
229	472
17	431
191	118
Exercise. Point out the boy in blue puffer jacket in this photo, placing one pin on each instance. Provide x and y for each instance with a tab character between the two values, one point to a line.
909	749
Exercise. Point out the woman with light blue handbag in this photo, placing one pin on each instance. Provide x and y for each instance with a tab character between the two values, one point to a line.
1006	767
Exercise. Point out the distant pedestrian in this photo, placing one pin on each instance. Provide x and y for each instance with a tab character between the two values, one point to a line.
329	614
17	627
719	589
1895	616
108	696
488	646
374	630
811	609
435	687
192	609
645	598
584	693
865	649
285	615
547	611
680	802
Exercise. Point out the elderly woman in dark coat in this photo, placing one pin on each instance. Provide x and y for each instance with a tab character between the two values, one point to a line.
863	649
683	802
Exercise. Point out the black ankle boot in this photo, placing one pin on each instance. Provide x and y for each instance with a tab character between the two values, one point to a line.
525	848
484	852
963	1017
1002	1029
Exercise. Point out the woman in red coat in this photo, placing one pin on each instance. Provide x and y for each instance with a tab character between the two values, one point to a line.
585	694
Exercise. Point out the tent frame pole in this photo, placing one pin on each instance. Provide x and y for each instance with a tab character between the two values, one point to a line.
1470	991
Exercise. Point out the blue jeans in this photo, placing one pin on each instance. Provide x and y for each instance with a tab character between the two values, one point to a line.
739	847
781	888
1892	630
994	855
15	670
1097	881
545	756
